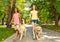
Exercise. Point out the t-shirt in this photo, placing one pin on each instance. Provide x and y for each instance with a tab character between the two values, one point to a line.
34	15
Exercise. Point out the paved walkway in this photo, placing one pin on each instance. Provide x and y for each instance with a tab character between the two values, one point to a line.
47	36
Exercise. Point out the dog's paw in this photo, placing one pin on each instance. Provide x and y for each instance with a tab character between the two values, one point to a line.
20	38
34	38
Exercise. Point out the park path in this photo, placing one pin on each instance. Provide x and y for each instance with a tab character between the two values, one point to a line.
47	36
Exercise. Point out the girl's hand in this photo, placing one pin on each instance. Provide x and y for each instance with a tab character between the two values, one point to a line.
11	21
38	19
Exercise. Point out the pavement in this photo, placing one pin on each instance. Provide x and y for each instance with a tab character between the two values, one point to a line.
47	36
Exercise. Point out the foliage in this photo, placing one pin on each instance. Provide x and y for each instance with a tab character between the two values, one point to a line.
2	8
57	6
44	10
43	7
52	27
4	32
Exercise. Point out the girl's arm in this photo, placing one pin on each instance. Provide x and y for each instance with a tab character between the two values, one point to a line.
20	17
37	16
30	16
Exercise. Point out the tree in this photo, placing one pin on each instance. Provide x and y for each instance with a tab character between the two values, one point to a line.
2	11
43	10
10	11
53	10
47	6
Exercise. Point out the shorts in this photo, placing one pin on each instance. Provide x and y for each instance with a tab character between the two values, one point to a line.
35	21
16	23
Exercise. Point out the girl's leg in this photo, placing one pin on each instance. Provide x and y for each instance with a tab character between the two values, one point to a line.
16	35
33	29
35	24
17	32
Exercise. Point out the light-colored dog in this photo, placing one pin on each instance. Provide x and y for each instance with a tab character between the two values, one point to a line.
22	31
38	32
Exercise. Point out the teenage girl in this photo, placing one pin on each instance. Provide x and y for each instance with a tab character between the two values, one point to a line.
16	20
34	18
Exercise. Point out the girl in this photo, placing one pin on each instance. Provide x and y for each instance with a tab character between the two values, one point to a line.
34	18
16	20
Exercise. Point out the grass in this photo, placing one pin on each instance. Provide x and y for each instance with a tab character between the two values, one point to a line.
5	32
52	27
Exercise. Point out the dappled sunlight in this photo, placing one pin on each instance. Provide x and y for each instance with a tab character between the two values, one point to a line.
57	40
51	37
2	26
28	25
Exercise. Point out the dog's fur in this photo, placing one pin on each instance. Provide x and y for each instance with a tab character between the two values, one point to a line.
38	32
22	31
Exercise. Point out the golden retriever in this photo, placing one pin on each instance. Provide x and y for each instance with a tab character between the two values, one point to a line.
38	31
22	31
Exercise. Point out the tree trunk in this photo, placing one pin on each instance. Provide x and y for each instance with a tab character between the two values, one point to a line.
56	19
3	19
13	6
53	10
10	11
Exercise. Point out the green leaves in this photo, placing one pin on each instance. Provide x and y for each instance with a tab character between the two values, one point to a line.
45	13
3	4
43	8
57	6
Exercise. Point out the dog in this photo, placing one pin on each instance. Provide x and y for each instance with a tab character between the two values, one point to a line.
38	32
22	31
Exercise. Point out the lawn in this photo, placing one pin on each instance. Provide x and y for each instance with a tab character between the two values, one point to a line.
5	33
52	27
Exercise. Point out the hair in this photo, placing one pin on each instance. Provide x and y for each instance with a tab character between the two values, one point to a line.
14	10
35	7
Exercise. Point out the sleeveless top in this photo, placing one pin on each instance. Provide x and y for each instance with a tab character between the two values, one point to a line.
16	17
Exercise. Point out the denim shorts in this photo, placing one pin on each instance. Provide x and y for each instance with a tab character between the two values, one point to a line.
35	21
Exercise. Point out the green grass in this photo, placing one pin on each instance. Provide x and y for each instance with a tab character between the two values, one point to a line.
5	32
52	27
